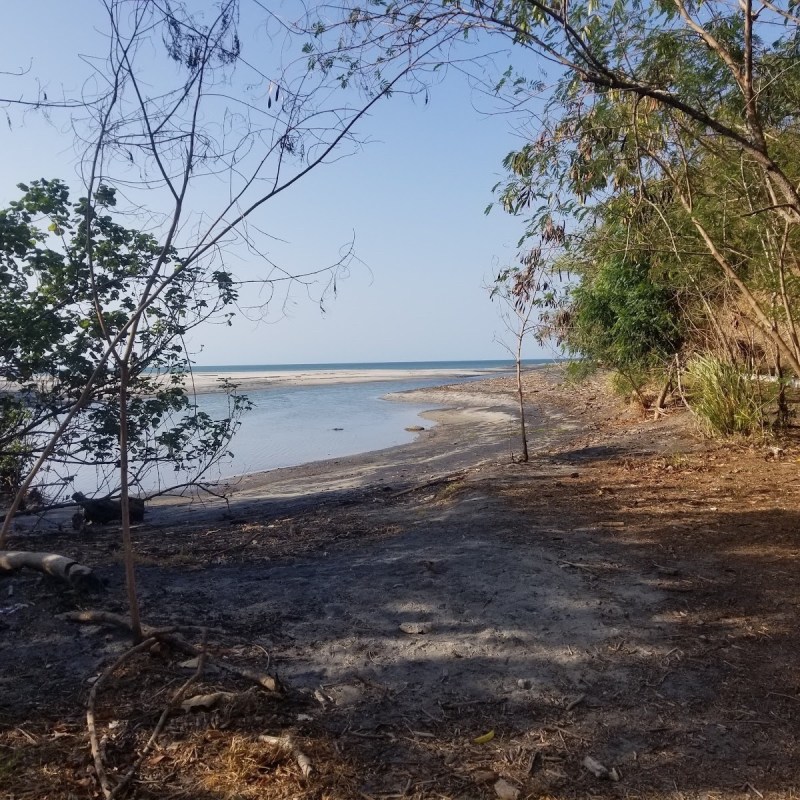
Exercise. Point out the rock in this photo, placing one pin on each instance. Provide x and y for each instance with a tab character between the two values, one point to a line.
524	683
346	695
416	627
599	770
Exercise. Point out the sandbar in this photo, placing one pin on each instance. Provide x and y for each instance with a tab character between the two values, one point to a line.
204	382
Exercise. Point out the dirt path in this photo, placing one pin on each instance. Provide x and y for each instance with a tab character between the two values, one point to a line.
629	595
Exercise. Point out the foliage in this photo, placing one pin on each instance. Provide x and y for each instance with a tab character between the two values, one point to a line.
60	306
725	399
620	317
579	369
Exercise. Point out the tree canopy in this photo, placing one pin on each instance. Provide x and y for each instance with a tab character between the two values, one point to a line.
660	134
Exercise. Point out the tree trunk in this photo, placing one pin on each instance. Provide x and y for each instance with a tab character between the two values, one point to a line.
658	408
124	503
523	432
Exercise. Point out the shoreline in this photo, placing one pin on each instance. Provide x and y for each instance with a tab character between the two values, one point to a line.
209	382
632	586
475	426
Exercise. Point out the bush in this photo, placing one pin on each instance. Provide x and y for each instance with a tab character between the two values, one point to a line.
631	384
621	317
579	370
725	399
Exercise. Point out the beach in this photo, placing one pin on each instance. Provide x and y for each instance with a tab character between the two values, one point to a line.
442	618
202	381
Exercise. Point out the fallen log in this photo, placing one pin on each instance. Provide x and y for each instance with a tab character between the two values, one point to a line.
105	510
79	576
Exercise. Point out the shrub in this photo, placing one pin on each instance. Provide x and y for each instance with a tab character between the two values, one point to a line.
726	400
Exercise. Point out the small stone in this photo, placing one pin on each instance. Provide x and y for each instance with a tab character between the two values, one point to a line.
524	683
416	627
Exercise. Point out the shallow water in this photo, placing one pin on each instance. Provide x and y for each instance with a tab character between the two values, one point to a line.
298	424
291	425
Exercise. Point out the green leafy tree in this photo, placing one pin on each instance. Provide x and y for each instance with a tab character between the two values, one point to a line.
59	314
190	139
619	316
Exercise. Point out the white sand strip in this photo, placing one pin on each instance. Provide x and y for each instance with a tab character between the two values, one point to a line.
205	382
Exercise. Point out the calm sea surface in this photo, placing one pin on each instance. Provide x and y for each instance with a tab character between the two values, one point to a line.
291	425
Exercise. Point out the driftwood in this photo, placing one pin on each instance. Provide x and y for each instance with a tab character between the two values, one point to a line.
168	637
77	575
105	510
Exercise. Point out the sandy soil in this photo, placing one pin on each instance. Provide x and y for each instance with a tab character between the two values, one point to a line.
630	595
265	379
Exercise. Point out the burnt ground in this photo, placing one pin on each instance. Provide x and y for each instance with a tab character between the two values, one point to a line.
630	594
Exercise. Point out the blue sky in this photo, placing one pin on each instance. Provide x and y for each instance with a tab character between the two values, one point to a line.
412	198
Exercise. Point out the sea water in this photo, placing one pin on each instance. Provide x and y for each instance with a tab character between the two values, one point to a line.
297	424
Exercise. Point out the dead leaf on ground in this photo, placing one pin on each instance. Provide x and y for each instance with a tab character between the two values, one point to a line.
203	702
416	627
505	791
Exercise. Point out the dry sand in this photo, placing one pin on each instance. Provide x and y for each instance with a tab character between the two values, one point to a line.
203	382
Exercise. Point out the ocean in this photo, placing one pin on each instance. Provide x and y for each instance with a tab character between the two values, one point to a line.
297	424
291	425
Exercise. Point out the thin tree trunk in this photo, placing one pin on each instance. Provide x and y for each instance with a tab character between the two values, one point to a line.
523	432
658	409
127	544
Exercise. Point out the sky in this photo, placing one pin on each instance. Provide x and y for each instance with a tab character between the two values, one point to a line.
412	199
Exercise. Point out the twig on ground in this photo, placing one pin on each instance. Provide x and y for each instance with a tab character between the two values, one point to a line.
123	623
167	636
176	699
287	743
576	702
261	679
238	546
585	567
102	777
456	476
